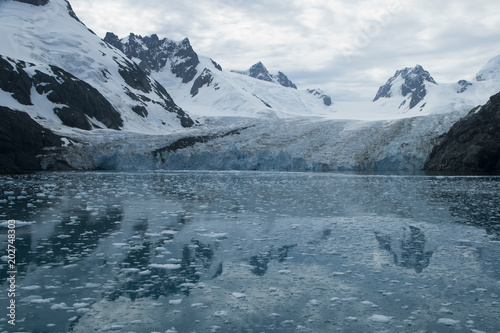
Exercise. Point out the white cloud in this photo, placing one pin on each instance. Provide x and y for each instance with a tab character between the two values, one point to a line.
333	44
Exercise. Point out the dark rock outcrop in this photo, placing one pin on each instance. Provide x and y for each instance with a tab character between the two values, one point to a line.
15	80
34	2
140	110
156	53
472	145
284	81
134	76
169	105
72	13
22	140
216	65
205	78
327	100
413	84
260	72
463	85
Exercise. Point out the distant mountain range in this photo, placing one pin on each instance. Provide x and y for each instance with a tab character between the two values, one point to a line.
205	89
64	85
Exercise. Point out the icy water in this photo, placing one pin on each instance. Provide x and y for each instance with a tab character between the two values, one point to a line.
251	252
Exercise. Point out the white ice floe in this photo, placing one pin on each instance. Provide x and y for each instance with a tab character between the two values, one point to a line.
60	306
33	287
17	224
214	235
448	321
175	301
165	266
79	305
198	305
42	300
380	318
220	313
239	295
314	302
370	304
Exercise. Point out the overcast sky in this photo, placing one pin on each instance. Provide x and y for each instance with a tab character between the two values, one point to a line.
346	47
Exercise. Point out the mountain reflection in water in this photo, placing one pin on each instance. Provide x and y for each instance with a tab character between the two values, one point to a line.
413	254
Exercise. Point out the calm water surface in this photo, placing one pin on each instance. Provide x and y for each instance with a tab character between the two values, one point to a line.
251	252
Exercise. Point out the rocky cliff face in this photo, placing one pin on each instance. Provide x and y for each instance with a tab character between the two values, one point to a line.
205	79
472	144
155	54
22	141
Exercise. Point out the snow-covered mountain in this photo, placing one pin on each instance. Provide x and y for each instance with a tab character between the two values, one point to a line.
410	83
490	71
412	91
204	89
65	76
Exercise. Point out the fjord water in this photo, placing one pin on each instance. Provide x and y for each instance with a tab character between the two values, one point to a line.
252	252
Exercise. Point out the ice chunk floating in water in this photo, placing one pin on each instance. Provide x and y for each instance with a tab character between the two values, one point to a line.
253	252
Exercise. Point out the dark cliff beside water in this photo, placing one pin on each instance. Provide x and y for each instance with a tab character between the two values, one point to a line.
22	141
472	145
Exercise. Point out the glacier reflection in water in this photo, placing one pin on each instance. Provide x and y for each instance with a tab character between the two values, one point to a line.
252	252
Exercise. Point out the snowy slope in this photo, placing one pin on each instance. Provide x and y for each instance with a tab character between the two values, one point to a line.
413	92
51	34
233	94
203	88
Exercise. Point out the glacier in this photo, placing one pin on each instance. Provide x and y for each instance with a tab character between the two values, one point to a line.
295	144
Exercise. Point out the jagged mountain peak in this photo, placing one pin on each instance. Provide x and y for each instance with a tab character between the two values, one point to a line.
416	72
409	81
260	72
155	54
